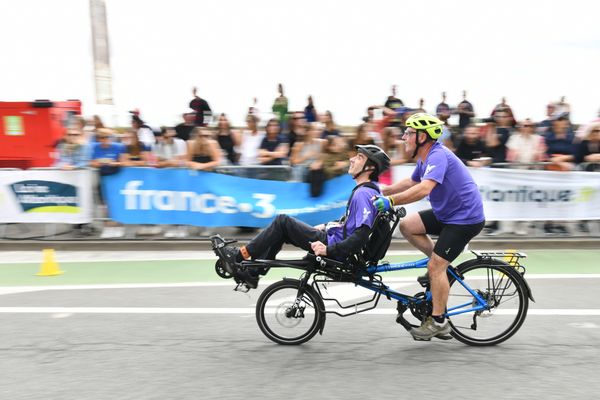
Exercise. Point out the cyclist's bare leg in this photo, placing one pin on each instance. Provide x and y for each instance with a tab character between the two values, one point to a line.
439	283
413	230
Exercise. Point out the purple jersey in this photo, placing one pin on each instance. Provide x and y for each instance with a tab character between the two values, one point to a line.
455	199
361	211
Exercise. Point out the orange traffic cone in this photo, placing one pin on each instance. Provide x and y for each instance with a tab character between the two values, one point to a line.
49	265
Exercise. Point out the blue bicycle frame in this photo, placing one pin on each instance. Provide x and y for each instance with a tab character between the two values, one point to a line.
469	306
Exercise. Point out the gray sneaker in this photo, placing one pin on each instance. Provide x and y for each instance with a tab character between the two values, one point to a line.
429	328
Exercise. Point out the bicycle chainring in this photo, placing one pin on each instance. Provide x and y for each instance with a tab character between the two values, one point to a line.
420	307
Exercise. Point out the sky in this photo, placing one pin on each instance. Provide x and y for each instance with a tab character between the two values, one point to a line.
346	54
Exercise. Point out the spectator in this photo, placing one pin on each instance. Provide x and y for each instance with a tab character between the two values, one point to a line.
588	151
204	153
506	108
395	104
228	139
254	110
560	147
465	112
334	157
525	146
73	151
330	127
169	150
307	151
136	153
560	150
251	140
471	149
184	130
105	157
421	108
495	139
201	108
563	107
332	162
274	148
394	148
297	126
280	107
144	133
310	113
442	110
90	129
361	137
546	124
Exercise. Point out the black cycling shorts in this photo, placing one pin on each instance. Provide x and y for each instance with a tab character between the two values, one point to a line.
452	238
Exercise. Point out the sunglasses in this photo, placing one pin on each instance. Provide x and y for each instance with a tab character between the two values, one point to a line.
528	126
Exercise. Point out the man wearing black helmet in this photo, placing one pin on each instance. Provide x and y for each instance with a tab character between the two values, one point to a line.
336	240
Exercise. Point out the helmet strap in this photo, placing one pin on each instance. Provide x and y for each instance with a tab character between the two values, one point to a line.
364	169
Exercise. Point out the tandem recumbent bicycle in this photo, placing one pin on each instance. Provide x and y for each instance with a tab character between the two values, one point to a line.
487	303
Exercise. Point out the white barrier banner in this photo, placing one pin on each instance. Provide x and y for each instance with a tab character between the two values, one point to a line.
53	196
524	195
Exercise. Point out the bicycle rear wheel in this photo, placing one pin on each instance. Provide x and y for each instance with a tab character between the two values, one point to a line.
507	301
286	317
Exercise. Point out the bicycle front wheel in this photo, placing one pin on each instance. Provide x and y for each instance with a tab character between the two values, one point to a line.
287	316
506	298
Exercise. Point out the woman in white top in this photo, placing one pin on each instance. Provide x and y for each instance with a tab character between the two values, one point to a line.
250	143
525	146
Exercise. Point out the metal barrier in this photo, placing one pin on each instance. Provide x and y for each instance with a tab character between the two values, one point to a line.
265	172
280	173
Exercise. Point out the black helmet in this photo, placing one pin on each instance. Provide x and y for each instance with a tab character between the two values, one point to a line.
376	155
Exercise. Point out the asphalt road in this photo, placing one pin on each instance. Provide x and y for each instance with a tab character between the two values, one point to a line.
73	354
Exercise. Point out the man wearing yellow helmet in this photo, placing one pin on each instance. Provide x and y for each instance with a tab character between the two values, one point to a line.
456	213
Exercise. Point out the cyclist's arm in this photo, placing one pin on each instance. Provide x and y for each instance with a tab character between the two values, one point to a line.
398	187
351	244
415	193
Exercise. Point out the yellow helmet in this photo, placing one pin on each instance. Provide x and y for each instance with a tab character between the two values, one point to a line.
427	123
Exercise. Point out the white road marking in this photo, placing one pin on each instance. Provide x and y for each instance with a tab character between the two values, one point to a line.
28	257
584	325
229	283
247	310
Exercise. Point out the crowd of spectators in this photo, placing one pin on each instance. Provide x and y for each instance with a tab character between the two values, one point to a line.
316	149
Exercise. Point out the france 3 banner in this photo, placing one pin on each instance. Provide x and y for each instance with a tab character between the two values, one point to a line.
185	197
526	195
50	196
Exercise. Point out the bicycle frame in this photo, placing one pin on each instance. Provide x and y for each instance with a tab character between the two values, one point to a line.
406	300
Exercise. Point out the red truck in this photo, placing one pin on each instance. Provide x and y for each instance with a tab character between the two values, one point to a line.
29	131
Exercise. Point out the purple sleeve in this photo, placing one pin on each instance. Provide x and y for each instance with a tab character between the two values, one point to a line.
415	175
362	211
437	163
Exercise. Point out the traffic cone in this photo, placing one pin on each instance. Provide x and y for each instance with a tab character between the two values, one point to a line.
49	265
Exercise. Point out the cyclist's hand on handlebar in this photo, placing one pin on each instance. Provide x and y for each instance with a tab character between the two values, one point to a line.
318	248
383	203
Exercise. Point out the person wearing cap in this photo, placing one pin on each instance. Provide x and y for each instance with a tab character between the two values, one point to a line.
456	213
337	240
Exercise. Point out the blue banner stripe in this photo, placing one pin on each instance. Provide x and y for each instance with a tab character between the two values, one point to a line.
186	197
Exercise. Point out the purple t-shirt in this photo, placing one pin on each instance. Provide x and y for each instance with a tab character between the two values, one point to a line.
360	212
455	199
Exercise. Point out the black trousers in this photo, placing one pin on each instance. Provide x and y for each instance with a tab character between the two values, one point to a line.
284	229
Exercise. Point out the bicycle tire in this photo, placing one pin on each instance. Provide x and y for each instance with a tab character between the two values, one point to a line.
283	306
506	278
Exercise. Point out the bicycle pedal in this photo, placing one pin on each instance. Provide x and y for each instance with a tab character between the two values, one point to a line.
242	288
443	337
421	340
